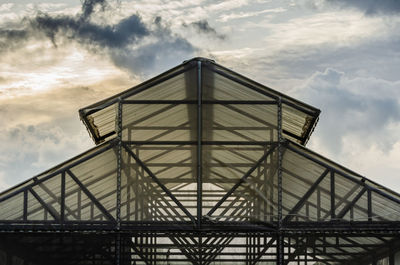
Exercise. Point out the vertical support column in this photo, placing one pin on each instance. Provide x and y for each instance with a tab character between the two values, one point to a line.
280	248
369	198
391	259
119	163
79	204
119	170
318	204
333	214
25	214
62	210
199	147
397	258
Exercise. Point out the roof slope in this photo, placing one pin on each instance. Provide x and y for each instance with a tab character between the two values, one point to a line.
219	83
198	149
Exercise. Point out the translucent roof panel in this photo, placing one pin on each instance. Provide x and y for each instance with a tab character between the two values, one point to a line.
57	169
218	85
221	87
298	118
226	165
317	189
196	167
100	118
159	122
89	182
244	122
146	170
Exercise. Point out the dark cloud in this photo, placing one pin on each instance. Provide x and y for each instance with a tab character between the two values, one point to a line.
127	31
170	47
370	6
203	27
88	7
130	37
12	38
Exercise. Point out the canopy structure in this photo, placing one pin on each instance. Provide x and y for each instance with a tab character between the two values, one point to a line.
199	165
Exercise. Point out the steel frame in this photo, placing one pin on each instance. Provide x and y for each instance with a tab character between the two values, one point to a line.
167	220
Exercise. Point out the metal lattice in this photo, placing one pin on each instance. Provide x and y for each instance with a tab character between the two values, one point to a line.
199	165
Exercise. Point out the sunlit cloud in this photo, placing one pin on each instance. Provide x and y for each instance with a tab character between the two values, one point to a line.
335	55
241	15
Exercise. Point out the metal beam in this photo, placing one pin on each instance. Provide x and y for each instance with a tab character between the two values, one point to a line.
360	181
62	206
188	101
47	207
58	171
243	179
333	195
217	143
91	196
344	211
199	146
305	197
264	250
369	198
280	242
162	186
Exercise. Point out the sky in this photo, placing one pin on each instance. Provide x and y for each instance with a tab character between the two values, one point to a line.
341	56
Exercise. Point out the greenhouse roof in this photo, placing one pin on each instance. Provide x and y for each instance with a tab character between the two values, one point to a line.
199	165
219	84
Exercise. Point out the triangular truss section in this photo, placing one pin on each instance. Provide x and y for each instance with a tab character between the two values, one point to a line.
201	165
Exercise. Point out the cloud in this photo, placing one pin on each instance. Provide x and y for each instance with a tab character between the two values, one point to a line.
241	14
129	36
41	130
12	38
39	146
227	5
143	57
359	124
6	7
127	31
203	27
362	109
370	7
88	7
294	49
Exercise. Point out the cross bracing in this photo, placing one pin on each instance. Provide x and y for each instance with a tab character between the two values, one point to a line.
199	165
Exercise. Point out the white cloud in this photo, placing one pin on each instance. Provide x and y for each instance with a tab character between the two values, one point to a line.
48	68
358	104
3	183
6	7
227	5
42	129
238	15
337	29
46	7
359	123
30	150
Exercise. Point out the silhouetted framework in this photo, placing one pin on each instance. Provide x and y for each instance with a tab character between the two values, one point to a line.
199	165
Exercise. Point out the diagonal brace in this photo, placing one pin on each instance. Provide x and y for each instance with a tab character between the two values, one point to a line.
264	250
351	204
300	203
156	180
48	208
91	196
243	179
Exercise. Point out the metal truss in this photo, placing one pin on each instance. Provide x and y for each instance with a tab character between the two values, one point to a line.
200	190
